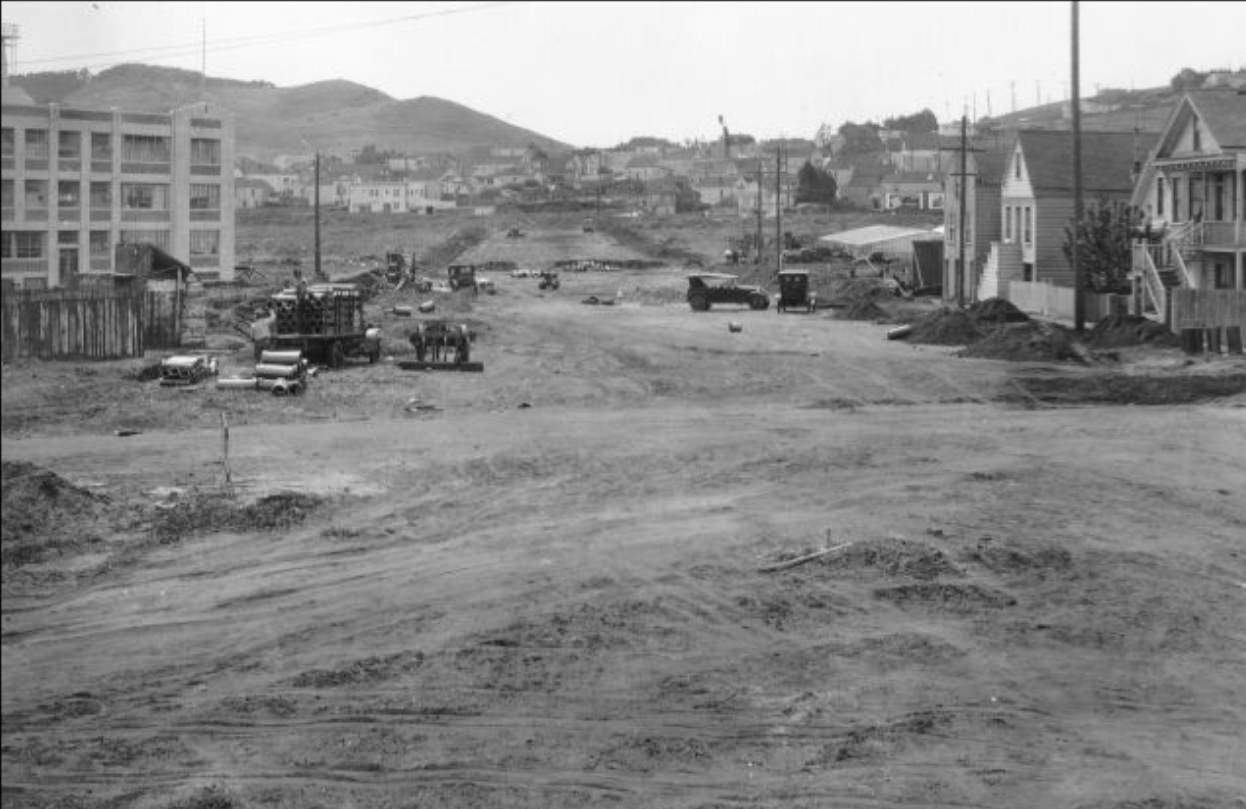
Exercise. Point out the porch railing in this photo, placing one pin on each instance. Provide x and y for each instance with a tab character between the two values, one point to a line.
1183	272
1152	287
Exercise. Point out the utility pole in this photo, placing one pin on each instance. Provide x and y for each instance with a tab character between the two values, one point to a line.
1079	322
760	178
317	206
960	220
778	207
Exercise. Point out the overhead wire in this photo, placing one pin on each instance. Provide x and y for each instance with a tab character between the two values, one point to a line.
167	52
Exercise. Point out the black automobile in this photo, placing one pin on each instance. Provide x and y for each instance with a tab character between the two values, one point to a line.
708	288
794	291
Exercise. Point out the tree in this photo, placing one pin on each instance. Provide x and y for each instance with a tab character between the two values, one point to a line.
815	185
860	138
1103	244
1187	79
916	123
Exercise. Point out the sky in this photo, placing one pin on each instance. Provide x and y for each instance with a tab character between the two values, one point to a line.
594	74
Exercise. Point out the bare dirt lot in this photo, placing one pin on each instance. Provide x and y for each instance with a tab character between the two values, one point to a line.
561	582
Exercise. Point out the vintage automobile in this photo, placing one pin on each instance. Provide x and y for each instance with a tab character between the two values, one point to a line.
549	279
486	285
186	369
794	291
708	288
461	276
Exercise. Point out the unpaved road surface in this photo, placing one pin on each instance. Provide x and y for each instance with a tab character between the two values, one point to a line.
546	585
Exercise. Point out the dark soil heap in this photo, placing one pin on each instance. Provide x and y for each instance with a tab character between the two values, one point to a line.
1119	331
996	310
1031	340
41	512
946	326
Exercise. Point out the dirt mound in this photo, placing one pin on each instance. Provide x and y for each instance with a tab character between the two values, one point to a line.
1121	388
1009	559
997	310
208	512
1119	331
893	557
1028	341
367	670
945	327
952	597
854	290
863	309
42	512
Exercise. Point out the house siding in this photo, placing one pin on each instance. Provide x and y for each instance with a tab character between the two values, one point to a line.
1050	219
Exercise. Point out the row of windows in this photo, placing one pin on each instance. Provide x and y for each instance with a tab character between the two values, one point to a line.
134	148
1219	194
1019	223
134	196
33	243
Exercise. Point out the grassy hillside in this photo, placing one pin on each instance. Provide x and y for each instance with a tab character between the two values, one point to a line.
332	115
1145	109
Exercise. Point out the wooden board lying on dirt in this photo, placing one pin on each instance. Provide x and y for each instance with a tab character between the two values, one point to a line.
412	365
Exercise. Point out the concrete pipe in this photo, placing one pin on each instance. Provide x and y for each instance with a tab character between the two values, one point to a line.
235	384
281	357
277	371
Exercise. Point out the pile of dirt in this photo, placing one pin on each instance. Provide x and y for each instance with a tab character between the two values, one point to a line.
849	291
1121	388
1008	559
893	557
963	598
208	512
996	310
863	309
1030	340
42	512
945	326
1118	331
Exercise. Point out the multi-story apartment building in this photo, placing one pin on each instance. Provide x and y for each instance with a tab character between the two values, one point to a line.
78	182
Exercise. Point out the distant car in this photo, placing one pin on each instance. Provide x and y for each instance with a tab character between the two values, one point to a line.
708	288
794	291
549	280
486	285
522	272
461	276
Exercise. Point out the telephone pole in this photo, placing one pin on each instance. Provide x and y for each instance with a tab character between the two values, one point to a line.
778	207
760	178
960	220
316	194
1079	323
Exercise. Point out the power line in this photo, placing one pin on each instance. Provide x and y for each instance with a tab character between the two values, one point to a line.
235	43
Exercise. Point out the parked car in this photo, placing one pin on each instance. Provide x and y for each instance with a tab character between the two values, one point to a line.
708	288
794	291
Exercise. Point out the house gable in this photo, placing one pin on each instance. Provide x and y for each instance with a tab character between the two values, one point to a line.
1017	177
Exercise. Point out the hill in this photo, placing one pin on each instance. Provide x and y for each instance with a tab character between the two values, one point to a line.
335	116
1108	111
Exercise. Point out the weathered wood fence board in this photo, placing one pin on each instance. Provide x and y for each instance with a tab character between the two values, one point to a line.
79	323
1207	308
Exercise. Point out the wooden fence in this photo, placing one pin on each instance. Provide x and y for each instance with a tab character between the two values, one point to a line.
78	323
1049	300
1207	309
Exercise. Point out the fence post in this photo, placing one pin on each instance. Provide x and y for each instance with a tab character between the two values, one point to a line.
229	483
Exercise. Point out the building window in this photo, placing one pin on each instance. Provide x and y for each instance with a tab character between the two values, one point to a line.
101	146
68	194
101	196
8	193
67	237
23	244
205	152
160	238
1027	271
69	145
1016	166
37	143
100	245
205	197
205	242
1007	223
36	194
145	149
1029	231
1159	196
145	196
8	146
1197	136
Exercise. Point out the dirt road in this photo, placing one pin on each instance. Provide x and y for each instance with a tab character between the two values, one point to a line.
544	588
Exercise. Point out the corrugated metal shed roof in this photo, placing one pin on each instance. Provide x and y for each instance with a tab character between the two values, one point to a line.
873	234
